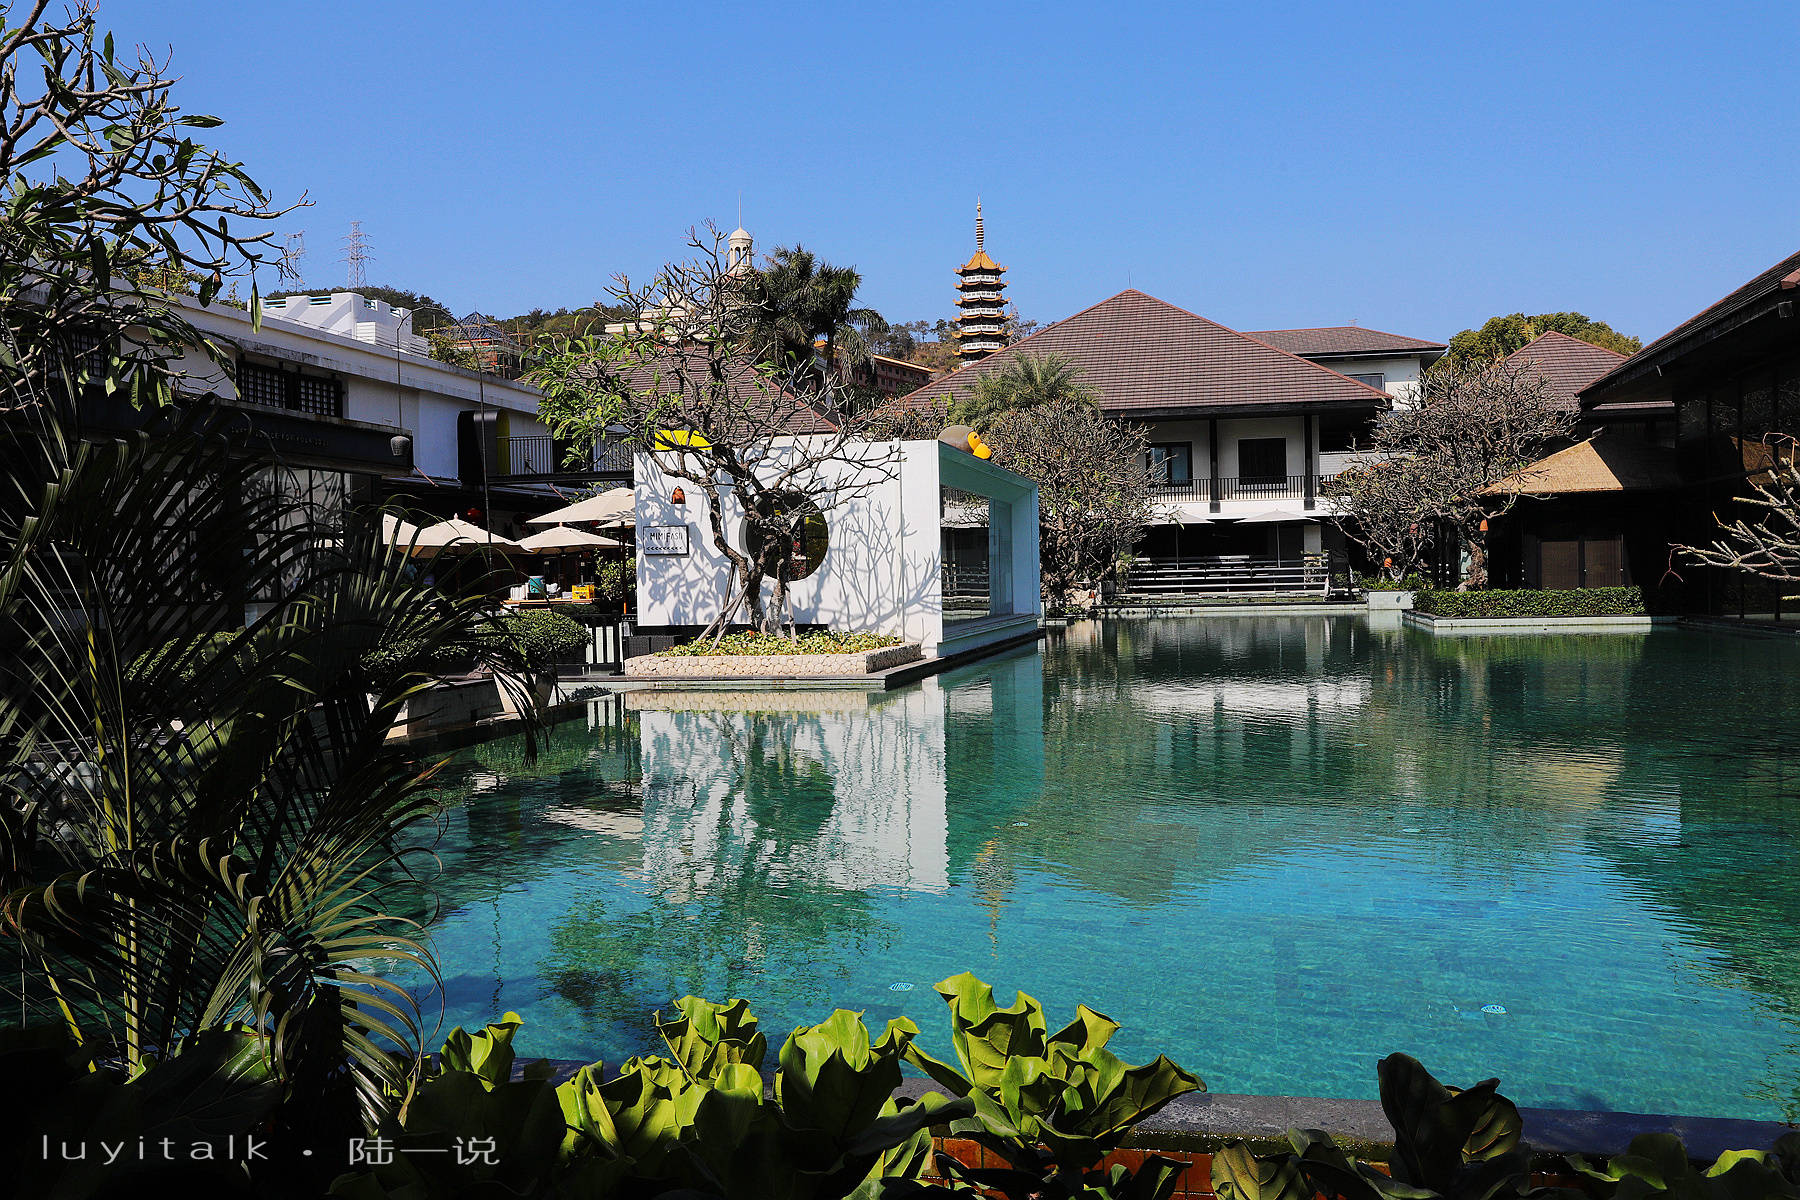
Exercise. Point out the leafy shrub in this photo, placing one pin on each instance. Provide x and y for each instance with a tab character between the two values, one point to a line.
1466	1144
699	1121
1051	1105
1580	602
616	580
534	637
820	642
542	635
1413	582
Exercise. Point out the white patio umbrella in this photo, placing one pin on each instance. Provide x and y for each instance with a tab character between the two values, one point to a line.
396	532
1275	516
562	538
456	535
614	507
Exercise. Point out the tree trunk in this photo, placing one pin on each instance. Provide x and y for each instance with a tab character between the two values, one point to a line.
1477	577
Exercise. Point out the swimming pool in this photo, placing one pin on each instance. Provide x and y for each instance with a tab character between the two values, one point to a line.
1275	848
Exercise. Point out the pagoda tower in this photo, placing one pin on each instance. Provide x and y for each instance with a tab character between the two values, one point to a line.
981	299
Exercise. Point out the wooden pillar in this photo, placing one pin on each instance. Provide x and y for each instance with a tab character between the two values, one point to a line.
1212	454
1311	426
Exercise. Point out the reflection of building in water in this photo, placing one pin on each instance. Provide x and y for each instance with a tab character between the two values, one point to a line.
851	799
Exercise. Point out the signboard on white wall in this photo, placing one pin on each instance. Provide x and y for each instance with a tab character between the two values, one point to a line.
664	539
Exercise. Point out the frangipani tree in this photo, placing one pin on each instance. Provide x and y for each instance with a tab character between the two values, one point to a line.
1439	461
688	386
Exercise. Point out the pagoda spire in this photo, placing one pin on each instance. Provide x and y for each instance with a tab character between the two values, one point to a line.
980	301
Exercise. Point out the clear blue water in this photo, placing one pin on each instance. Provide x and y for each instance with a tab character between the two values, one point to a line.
1274	848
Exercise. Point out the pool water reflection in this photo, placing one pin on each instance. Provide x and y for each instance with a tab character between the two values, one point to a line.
1274	848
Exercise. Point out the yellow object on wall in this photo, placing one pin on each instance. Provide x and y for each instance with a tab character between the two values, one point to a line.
582	591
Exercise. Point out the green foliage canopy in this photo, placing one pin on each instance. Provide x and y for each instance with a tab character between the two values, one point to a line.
1500	336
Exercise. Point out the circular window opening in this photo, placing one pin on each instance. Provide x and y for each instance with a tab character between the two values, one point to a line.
798	522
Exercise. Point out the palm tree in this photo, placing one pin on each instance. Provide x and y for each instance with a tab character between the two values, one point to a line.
797	299
1025	381
198	816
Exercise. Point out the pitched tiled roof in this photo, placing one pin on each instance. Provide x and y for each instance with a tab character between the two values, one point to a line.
1330	340
1566	364
1766	286
1142	353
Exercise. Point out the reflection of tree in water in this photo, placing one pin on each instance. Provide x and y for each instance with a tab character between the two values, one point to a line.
491	832
732	910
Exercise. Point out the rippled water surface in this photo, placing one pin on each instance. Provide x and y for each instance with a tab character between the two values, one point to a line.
1274	848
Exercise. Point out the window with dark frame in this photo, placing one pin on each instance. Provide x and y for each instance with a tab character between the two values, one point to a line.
1173	463
271	387
1374	379
1262	460
257	384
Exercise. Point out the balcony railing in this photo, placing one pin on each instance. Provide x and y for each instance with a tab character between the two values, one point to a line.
1243	487
1236	575
542	457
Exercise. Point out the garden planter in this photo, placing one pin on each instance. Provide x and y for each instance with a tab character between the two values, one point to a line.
1389	601
541	686
751	666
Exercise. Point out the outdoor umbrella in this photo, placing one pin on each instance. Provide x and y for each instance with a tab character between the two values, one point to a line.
608	508
1275	516
396	532
561	538
457	534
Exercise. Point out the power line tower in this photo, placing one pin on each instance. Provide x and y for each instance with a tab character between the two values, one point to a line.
293	249
356	253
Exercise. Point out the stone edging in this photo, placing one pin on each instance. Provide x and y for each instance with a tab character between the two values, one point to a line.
749	666
1414	619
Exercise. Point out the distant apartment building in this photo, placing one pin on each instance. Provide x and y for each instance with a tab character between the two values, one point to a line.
891	377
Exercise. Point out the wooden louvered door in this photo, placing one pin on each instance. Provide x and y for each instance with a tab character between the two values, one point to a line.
1603	562
1559	564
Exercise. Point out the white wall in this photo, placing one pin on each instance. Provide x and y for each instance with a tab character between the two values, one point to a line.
883	569
397	390
1401	372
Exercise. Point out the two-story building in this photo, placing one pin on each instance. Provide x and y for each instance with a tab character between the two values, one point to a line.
344	402
1242	432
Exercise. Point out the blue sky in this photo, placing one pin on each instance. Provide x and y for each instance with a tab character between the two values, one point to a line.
1413	167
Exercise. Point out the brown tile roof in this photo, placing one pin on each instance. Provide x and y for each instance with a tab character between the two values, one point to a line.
1329	340
1566	364
1602	465
1142	353
1768	285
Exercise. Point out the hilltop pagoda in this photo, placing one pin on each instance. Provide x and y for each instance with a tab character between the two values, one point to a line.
981	299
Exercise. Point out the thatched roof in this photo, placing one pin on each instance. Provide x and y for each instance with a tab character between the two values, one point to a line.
1594	466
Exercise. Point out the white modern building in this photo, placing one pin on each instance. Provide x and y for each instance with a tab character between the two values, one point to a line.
342	397
917	539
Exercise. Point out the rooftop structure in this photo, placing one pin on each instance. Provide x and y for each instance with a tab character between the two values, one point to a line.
494	349
352	315
1148	357
1344	341
1565	364
981	301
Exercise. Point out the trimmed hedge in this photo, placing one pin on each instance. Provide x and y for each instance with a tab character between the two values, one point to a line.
1581	602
